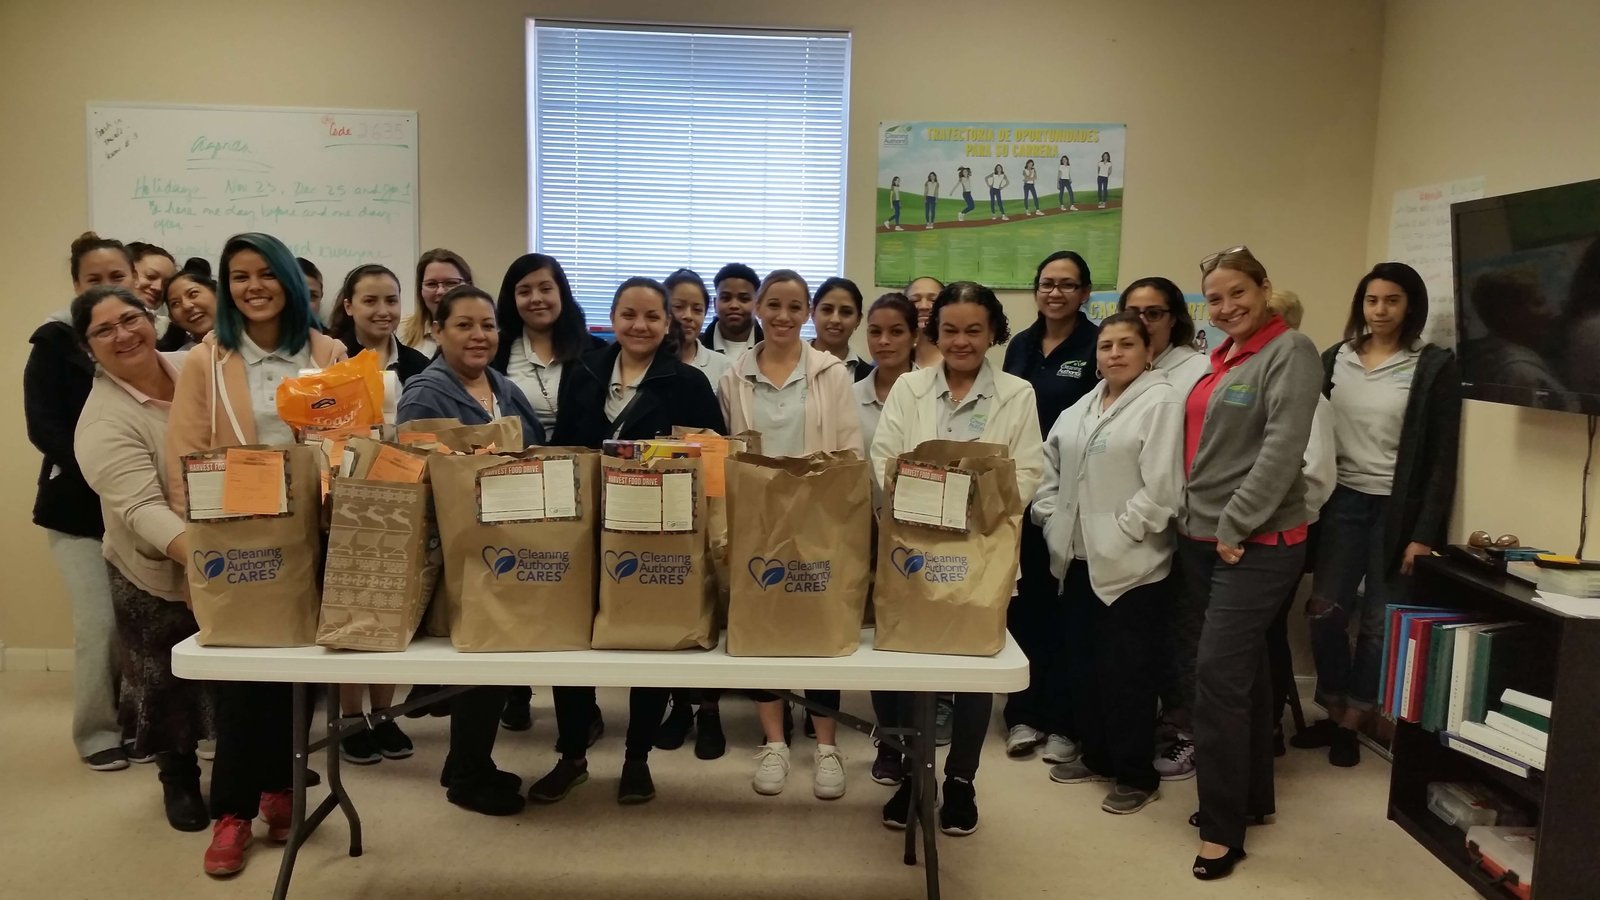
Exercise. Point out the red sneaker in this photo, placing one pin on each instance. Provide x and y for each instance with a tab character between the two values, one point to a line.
277	810
229	838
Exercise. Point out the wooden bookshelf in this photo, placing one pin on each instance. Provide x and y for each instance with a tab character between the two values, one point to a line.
1566	796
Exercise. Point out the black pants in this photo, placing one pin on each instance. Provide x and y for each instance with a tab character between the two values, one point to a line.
969	725
474	725
1180	634
522	695
1280	659
1039	621
575	708
255	748
1116	704
1233	683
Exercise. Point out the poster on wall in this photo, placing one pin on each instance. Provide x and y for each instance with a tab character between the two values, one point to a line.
985	201
1206	336
1419	235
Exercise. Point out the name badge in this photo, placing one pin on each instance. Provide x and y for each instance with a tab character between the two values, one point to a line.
1239	395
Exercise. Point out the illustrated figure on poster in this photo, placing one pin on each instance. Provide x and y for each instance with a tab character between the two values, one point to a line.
930	199
964	185
894	200
997	182
1201	342
1029	189
1103	179
1064	194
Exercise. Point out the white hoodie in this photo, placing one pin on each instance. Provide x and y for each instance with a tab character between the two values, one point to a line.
1119	476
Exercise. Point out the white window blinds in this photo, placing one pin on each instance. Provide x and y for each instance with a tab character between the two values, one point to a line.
653	148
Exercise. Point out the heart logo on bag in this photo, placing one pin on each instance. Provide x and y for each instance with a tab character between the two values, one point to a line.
211	563
906	561
621	565
766	572
500	560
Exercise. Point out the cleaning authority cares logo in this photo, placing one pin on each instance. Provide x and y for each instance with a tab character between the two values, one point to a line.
947	567
649	568
523	564
240	566
796	576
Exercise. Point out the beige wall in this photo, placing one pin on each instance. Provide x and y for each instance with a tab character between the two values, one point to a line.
1249	121
1503	90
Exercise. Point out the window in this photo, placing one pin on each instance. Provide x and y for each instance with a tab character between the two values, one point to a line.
654	148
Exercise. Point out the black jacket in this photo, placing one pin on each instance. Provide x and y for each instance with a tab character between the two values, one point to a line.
1425	466
412	362
671	393
55	384
1060	379
711	329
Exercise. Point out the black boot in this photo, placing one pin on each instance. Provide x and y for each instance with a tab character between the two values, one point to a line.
180	791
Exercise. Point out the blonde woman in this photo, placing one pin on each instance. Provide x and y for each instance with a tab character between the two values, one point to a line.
438	272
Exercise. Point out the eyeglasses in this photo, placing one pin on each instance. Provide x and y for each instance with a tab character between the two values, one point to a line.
449	284
1046	288
1210	263
1152	314
128	323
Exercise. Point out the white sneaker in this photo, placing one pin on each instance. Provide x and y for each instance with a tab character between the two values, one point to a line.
1072	208
1059	749
1005	218
898	228
928	226
1022	740
887	225
1064	208
828	780
772	769
1102	206
961	217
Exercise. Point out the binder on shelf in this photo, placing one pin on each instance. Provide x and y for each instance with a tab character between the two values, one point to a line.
1422	630
1514	657
1484	754
1393	660
1441	675
1503	744
1511	727
1461	672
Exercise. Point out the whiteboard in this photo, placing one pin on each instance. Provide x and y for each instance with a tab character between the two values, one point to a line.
339	187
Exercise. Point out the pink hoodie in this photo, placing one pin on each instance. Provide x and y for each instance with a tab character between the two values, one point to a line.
832	422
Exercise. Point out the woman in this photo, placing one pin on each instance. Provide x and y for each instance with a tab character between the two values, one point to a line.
893	222
997	182
690	303
1056	355
542	331
798	398
930	199
965	398
224	398
191	305
1161	306
122	436
1030	190
313	277
55	384
439	271
922	291
1102	172
634	389
152	267
366	315
1396	404
1243	530
1112	484
461	384
836	314
964	185
1064	194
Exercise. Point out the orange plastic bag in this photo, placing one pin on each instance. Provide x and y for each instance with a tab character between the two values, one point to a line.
345	395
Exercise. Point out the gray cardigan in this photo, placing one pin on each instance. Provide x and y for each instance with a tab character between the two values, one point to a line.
1246	477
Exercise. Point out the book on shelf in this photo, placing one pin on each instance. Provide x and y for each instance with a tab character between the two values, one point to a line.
1502	743
1423	673
1441	675
1484	754
1413	637
1516	657
1461	669
1510	727
1537	706
1392	673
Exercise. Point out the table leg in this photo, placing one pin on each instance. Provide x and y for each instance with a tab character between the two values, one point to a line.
923	801
335	780
298	830
919	745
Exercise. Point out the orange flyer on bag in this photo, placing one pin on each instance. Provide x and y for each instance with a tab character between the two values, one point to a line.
714	451
345	395
253	483
391	464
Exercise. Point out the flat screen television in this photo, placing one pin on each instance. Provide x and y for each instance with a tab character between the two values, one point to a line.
1527	273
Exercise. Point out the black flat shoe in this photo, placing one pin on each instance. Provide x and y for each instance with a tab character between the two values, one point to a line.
1221	867
1318	734
1194	820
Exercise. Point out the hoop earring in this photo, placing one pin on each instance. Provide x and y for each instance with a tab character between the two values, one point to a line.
1097	375
1149	367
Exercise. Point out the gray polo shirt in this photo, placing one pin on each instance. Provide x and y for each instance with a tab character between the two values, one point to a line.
263	370
965	421
779	410
620	394
1369	408
540	381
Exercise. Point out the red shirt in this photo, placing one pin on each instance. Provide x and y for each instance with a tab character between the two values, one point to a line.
1200	398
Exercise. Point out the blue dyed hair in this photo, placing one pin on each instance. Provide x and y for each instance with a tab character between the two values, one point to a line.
297	317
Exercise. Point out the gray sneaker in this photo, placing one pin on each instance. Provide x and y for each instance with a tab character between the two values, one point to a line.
943	727
1177	763
1075	773
1059	749
1124	800
1022	740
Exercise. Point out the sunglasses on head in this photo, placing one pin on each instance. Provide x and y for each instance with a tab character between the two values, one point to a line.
1210	262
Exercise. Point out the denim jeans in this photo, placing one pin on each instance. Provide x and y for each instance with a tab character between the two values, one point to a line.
1028	190
967	196
1351	552
996	202
1064	192
1103	187
896	217
928	204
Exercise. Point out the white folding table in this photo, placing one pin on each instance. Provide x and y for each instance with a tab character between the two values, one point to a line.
435	661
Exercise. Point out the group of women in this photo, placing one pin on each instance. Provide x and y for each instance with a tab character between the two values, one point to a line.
1135	449
997	181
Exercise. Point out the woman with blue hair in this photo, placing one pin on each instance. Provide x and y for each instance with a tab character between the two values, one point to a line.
226	397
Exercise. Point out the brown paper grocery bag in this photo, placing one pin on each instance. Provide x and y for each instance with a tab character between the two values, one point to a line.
503	434
717	510
518	577
383	565
799	532
254	581
655	586
943	590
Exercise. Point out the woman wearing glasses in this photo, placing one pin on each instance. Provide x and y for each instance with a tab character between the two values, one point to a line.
1160	305
1056	355
1243	531
438	272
